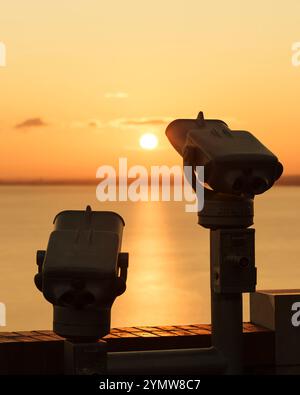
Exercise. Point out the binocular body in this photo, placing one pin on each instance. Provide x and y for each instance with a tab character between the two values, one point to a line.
83	271
235	161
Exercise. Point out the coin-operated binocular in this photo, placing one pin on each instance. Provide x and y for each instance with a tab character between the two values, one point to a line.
235	161
82	272
237	166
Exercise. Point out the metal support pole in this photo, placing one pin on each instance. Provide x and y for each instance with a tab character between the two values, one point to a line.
232	271
186	361
85	358
227	329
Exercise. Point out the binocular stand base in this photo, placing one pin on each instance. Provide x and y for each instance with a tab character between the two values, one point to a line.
85	358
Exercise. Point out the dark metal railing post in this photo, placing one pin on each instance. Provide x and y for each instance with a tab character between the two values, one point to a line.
227	329
232	271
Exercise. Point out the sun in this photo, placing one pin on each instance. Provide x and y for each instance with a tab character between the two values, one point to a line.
148	141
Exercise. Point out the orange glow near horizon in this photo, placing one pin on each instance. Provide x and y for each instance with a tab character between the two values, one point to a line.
84	80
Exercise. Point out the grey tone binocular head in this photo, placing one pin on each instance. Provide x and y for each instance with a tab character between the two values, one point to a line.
83	271
235	161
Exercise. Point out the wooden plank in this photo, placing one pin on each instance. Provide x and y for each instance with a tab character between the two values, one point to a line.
41	352
180	332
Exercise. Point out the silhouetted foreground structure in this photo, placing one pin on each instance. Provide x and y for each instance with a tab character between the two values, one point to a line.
41	352
83	270
269	343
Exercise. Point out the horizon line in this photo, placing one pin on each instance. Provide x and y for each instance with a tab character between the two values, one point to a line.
287	180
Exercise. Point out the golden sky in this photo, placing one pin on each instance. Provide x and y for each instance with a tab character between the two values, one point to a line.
86	78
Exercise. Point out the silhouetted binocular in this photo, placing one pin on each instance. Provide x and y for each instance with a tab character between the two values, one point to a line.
83	271
235	161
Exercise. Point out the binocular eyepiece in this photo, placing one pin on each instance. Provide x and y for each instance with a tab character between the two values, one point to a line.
235	161
83	271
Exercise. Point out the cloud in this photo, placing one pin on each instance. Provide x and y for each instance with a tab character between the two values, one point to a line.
91	123
123	123
116	95
95	123
31	123
147	121
126	123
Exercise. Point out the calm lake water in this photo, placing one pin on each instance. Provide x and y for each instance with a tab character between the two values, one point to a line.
168	280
